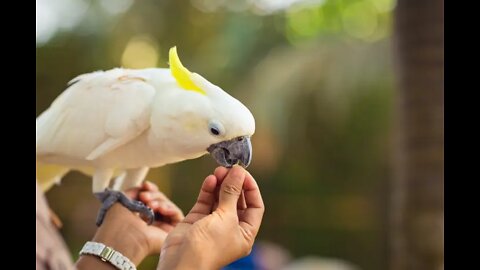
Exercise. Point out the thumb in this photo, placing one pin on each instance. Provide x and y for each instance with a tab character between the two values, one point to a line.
231	188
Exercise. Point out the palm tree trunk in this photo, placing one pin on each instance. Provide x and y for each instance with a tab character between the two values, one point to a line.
417	208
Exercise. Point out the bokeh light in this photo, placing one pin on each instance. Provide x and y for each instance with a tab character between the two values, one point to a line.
140	52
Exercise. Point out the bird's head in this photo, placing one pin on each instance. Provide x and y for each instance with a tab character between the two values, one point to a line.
204	118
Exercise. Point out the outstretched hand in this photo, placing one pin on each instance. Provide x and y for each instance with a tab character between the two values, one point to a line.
222	225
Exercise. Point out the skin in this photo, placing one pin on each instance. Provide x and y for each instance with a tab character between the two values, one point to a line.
125	232
219	229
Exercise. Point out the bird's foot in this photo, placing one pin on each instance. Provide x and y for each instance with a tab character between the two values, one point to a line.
110	197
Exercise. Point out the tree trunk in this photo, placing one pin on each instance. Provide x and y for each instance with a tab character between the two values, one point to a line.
417	209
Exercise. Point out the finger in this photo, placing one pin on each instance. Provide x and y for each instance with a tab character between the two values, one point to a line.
167	209
253	197
132	193
158	202
149	196
205	200
231	188
149	186
241	204
251	218
220	173
216	192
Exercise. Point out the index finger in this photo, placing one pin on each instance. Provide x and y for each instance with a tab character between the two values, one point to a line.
206	199
149	186
251	218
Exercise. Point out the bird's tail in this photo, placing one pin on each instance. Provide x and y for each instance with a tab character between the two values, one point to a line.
49	174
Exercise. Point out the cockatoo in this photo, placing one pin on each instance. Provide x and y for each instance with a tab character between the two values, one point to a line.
125	121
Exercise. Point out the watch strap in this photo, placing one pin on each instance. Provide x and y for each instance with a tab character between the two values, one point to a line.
107	254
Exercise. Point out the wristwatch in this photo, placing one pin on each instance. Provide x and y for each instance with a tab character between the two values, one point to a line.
108	254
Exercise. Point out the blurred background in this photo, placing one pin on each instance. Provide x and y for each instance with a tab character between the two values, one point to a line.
348	101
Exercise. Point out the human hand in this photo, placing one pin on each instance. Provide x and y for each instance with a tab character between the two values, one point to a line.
220	228
125	232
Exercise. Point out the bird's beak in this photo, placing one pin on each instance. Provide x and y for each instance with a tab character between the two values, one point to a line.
231	152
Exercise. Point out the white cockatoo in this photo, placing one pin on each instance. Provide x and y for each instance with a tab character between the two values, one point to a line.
125	121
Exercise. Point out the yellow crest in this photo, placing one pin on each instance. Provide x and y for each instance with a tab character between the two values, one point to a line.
181	73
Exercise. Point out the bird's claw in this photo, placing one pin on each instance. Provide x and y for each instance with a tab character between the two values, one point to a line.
110	197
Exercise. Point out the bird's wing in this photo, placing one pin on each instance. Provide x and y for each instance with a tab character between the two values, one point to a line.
98	113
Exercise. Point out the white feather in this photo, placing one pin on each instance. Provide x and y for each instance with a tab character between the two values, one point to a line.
128	121
98	113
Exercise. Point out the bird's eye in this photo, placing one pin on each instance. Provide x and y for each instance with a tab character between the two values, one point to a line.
214	131
216	128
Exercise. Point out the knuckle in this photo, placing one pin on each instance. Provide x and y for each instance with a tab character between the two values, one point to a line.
231	189
220	213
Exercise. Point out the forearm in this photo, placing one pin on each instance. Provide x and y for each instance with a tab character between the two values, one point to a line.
123	246
123	237
124	251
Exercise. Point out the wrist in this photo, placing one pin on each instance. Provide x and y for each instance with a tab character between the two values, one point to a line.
134	252
125	244
108	255
184	258
124	236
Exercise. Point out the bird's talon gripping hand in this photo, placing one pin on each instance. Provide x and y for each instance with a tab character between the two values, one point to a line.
110	197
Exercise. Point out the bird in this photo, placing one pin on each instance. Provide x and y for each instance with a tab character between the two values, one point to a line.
119	123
